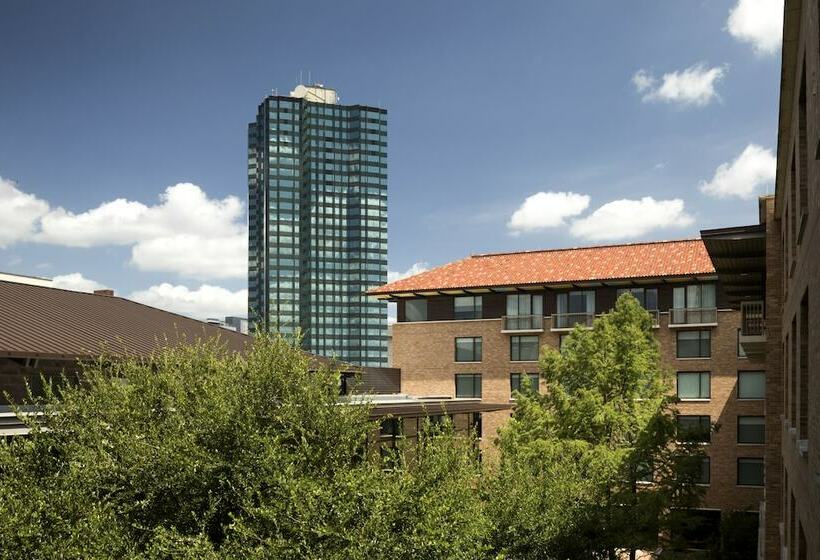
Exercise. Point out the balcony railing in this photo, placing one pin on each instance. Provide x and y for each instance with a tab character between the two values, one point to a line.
523	323
686	316
568	321
656	317
753	319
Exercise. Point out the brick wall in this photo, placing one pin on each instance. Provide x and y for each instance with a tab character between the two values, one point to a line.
425	353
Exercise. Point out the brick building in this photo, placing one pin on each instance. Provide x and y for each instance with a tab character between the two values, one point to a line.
473	328
782	297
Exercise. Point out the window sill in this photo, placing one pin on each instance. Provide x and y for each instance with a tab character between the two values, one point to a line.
760	486
524	361
695	358
458	362
751	399
748	444
683	400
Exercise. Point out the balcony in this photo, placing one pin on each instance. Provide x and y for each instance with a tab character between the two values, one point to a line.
568	321
753	329
692	317
522	323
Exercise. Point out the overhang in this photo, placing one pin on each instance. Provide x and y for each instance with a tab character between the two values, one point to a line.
739	256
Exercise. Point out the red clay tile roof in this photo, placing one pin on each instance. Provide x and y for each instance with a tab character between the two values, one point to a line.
556	266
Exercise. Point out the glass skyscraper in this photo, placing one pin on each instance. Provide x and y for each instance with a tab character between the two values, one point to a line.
317	201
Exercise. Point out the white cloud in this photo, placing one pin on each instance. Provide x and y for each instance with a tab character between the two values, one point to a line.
76	282
624	219
202	303
417	268
693	86
758	22
187	232
743	177
19	213
546	209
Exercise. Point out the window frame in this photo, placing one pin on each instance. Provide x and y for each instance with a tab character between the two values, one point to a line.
416	300
474	377
531	376
476	310
477	348
518	339
749	460
642	299
531	307
700	375
740	374
700	342
762	426
700	417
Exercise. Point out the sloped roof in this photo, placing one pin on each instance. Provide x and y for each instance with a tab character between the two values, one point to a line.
656	259
44	322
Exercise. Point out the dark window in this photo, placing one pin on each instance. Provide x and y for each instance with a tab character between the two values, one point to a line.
523	382
750	472
644	472
694	428
698	529
647	297
751	385
415	310
467	307
524	348
575	308
468	385
468	349
693	304
751	429
694	344
562	340
346	383
705	471
694	385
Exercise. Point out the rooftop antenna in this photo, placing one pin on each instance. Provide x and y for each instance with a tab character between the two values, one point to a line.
300	77
310	82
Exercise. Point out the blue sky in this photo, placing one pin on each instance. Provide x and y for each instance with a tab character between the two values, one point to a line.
620	113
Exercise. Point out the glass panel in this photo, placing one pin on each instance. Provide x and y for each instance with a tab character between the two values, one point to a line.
705	471
466	350
415	310
651	299
750	472
537	305
693	297
689	385
694	428
751	429
468	386
708	296
561	304
467	307
679	298
512	305
751	385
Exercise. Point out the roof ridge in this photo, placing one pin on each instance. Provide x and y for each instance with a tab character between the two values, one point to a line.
583	248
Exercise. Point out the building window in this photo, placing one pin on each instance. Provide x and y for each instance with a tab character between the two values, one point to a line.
415	310
645	473
694	304
524	348
705	471
525	304
741	353
467	307
562	340
751	385
647	297
575	308
750	471
520	382
751	429
468	349
468	385
697	429
694	385
694	344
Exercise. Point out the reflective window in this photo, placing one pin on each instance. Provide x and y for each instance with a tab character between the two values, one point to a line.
694	428
524	348
468	385
525	304
751	429
694	344
751	385
467	307
694	385
468	349
415	310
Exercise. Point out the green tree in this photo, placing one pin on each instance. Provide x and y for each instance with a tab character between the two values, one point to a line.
198	453
573	458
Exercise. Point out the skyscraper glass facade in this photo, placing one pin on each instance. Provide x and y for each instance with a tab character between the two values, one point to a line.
317	199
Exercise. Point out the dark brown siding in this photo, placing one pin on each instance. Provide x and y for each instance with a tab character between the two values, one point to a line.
400	316
494	306
440	308
380	380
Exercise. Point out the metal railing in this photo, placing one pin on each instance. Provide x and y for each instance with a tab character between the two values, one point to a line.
693	316
569	320
523	322
752	318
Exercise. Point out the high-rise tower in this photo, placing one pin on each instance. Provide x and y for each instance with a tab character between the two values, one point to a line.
317	201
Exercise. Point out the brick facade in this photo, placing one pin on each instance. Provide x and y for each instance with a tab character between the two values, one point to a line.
425	353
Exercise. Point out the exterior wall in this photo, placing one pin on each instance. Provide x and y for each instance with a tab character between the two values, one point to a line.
425	353
798	217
